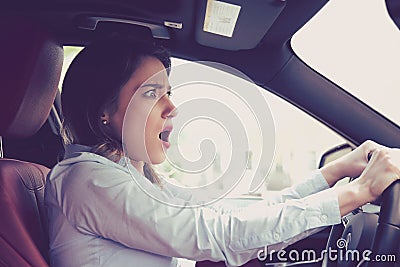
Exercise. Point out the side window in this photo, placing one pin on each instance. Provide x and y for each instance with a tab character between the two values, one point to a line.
300	142
70	53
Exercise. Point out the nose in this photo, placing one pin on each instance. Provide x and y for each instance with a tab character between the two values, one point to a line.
170	111
173	113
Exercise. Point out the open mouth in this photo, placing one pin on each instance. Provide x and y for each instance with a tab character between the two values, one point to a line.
164	137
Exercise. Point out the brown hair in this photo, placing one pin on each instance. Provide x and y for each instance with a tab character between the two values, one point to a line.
93	83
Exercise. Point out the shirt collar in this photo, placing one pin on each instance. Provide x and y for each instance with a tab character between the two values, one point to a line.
72	150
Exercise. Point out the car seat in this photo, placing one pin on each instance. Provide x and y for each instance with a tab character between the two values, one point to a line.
30	68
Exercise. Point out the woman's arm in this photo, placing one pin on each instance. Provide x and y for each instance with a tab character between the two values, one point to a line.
350	165
312	184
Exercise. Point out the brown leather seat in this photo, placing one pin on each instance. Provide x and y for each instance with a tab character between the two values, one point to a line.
23	231
30	69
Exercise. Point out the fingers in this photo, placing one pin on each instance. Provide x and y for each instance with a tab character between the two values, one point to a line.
377	165
370	147
354	163
384	169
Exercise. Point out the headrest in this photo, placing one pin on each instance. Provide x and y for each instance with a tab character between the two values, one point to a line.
30	69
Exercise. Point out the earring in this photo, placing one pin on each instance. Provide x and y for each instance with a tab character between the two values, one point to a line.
105	122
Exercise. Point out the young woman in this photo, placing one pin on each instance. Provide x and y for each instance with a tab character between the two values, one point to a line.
100	216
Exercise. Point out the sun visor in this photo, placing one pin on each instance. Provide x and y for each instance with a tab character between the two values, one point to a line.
237	24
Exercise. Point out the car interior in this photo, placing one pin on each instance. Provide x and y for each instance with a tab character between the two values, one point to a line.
32	37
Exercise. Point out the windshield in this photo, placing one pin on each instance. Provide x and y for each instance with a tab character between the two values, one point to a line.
356	45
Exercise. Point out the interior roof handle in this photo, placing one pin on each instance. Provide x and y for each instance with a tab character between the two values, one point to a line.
90	23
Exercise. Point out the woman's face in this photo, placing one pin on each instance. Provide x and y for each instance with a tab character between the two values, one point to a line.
143	119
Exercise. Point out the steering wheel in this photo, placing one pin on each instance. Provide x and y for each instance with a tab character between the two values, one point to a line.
379	235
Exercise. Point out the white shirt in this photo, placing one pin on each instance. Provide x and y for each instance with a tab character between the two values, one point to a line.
99	216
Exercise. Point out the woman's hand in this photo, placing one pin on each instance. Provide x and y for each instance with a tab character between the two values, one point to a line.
350	165
381	171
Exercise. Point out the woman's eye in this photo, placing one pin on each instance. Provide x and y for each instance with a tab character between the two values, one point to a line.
151	93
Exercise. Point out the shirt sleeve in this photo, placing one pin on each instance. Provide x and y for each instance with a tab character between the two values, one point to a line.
314	183
103	201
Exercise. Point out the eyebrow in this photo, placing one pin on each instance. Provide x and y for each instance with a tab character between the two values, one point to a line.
156	86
